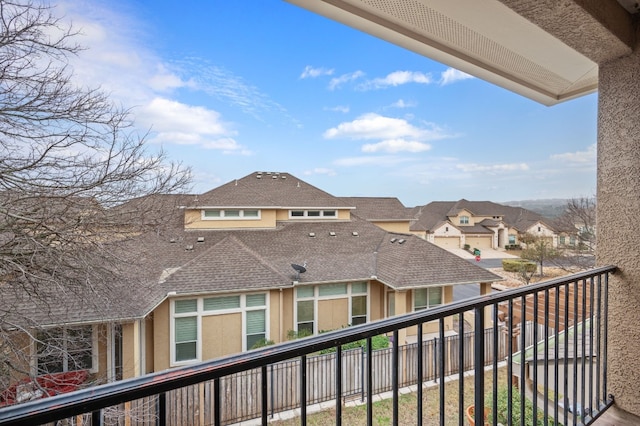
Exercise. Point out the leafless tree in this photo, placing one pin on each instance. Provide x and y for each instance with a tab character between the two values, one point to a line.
579	223
68	156
538	249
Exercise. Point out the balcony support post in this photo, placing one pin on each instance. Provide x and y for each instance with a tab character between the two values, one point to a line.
478	349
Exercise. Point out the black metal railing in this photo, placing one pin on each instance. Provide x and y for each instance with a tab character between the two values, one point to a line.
542	347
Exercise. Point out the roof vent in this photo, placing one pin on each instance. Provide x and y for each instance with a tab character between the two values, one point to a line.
312	234
354	233
393	240
269	173
172	240
332	234
200	239
259	176
189	247
401	241
283	177
274	177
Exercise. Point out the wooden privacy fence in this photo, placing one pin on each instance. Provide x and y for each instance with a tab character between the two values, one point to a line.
241	397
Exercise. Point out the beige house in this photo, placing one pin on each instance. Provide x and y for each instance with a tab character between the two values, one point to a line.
254	260
479	224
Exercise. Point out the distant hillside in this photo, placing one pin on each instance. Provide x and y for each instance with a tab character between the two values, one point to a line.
549	208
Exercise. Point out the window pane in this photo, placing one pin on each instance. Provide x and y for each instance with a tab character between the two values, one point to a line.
232	213
305	326
256	300
304	292
305	311
329	213
313	213
182	306
359	287
186	351
220	303
251	213
435	296
253	339
358	320
186	329
256	322
297	213
359	306
332	289
419	298
212	213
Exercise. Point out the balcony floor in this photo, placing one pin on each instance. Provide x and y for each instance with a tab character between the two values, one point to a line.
618	417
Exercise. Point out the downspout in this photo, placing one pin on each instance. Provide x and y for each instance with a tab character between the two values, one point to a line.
280	315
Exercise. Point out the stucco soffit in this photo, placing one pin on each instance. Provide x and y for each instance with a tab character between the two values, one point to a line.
545	50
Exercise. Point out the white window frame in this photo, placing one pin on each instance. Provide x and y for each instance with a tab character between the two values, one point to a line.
65	361
324	214
201	312
349	295
464	220
222	216
429	289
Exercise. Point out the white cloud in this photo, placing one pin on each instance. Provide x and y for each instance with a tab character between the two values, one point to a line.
451	75
401	103
374	126
320	171
397	78
396	145
492	168
336	82
588	156
384	160
311	72
338	108
178	123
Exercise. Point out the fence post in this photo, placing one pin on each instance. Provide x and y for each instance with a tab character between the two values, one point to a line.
361	374
478	397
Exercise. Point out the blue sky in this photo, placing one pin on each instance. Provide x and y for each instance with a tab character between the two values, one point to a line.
232	87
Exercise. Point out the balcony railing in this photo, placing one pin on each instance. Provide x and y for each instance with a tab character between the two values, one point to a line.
543	346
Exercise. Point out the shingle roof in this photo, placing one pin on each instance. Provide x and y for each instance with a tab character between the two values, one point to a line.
430	215
379	208
268	190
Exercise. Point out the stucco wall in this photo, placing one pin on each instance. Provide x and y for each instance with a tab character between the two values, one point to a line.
401	227
221	335
618	195
161	342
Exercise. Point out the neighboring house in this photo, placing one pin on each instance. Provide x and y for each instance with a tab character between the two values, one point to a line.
479	224
215	277
386	212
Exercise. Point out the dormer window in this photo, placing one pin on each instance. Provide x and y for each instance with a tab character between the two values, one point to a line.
230	214
464	220
314	214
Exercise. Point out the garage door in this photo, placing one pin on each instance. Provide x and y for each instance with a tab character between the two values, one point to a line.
479	242
447	242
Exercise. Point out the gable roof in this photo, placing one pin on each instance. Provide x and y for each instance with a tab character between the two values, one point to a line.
268	189
429	216
379	208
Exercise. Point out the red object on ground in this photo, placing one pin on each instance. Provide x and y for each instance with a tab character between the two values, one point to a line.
29	389
477	258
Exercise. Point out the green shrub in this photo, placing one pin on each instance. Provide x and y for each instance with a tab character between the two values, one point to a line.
516	410
377	342
467	246
262	343
518	265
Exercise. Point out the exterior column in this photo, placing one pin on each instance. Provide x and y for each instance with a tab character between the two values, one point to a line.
485	288
618	206
401	309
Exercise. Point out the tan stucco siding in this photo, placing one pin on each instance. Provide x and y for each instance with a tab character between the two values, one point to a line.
193	220
401	227
447	230
129	342
344	214
148	341
161	337
275	317
287	312
333	314
221	335
376	301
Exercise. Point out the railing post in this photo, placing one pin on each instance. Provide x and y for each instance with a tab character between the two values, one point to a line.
96	418
478	398
161	419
